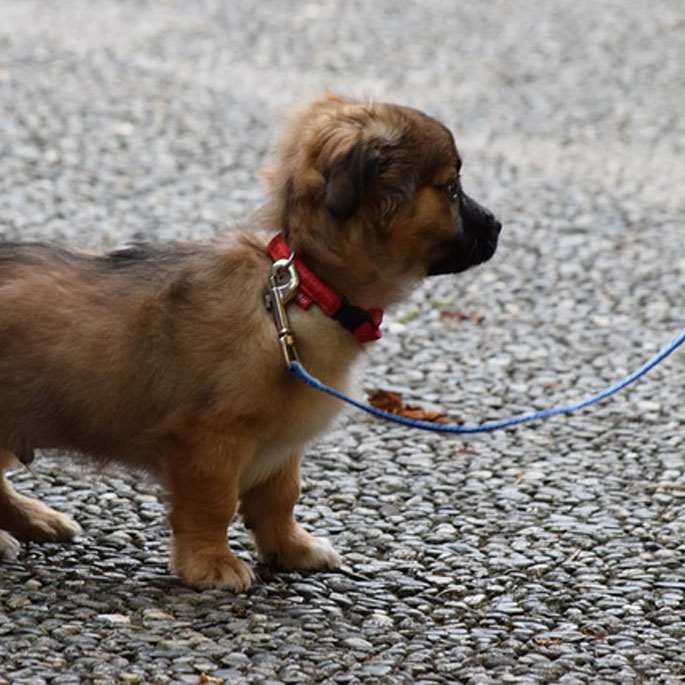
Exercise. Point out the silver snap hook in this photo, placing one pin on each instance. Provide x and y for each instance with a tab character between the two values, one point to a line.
284	278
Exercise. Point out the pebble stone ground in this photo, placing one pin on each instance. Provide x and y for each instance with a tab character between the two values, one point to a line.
550	553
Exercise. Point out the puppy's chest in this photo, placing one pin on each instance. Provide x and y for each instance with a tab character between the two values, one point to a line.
296	413
305	416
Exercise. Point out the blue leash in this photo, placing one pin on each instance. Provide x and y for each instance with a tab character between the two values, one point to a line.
298	370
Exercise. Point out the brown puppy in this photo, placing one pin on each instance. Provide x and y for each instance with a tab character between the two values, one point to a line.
167	359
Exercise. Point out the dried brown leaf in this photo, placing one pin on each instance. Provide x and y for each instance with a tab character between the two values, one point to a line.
389	401
385	400
593	634
458	315
204	678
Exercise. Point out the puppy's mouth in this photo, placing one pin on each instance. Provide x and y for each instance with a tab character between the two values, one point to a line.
484	247
455	256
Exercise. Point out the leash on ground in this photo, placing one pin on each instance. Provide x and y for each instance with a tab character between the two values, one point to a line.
297	369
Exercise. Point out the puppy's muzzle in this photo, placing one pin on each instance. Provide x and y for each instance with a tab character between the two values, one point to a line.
475	243
480	226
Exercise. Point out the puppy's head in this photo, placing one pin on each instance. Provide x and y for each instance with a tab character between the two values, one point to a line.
371	195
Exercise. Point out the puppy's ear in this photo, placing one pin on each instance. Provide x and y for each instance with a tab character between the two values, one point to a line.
349	178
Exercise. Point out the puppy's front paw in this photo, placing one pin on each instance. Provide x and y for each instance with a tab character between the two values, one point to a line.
214	570
302	551
9	547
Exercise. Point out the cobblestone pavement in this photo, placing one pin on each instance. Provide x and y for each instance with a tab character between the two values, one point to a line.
548	553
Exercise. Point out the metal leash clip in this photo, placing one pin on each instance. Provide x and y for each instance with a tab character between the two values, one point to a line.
283	285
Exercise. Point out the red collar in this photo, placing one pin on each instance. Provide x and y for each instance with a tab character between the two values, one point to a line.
364	323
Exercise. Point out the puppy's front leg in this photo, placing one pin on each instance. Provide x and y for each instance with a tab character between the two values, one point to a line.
203	501
267	509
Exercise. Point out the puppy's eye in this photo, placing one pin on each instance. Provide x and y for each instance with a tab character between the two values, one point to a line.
452	189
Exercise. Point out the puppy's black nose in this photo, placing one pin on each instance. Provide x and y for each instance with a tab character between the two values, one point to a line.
497	226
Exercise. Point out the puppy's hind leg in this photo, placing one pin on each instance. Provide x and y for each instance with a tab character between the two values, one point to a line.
9	547
27	518
267	509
